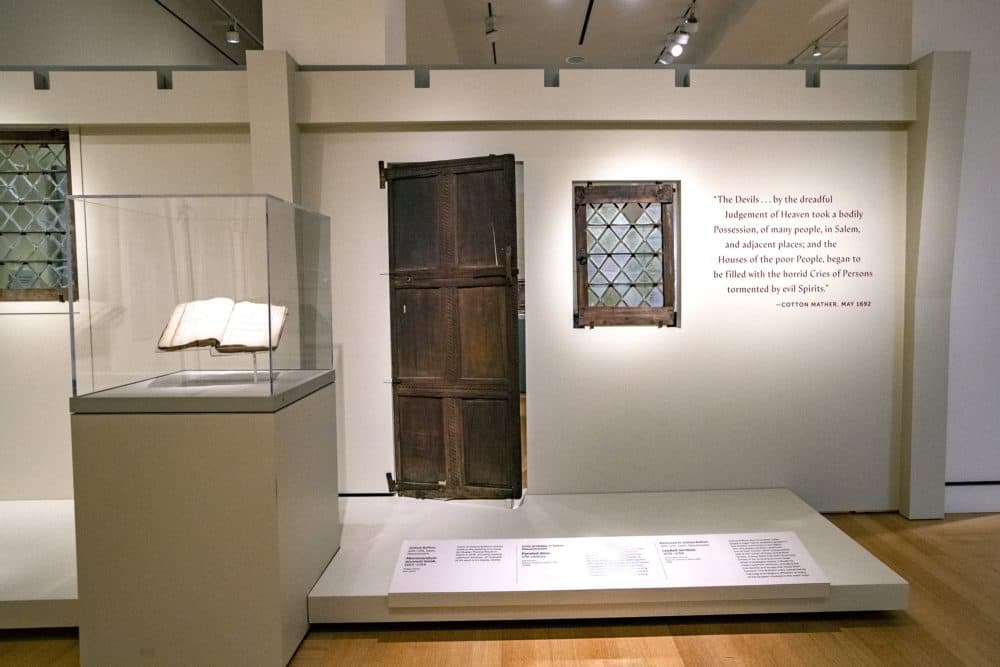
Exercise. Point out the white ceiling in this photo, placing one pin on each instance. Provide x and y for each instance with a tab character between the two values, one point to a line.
624	33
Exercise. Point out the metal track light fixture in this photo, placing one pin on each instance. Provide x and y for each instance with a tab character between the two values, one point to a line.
679	38
232	31
817	49
492	30
239	37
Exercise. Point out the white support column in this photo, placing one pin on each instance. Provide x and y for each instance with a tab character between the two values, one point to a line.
880	32
934	156
274	134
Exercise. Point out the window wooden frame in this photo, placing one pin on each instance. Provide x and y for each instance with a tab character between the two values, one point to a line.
663	192
55	136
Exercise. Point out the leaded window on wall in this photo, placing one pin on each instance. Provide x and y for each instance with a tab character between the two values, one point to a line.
625	238
34	183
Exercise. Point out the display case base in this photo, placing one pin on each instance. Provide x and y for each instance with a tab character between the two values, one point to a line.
199	535
355	586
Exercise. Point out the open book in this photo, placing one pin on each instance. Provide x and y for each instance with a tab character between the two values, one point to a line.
224	325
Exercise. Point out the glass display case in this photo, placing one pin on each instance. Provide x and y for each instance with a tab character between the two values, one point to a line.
198	303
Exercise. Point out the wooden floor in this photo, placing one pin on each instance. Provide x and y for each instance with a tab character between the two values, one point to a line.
953	618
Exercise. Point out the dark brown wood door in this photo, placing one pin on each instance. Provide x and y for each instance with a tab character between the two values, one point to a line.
452	263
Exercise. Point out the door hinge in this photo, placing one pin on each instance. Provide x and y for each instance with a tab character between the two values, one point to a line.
381	174
391	482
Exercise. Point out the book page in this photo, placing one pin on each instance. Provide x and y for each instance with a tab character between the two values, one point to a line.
167	337
247	328
200	323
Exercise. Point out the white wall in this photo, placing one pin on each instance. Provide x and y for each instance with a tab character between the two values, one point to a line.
974	366
316	32
164	160
98	32
35	460
334	182
744	394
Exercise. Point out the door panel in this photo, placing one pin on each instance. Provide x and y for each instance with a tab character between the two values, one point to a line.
421	452
481	313
420	347
416	237
482	238
484	427
452	254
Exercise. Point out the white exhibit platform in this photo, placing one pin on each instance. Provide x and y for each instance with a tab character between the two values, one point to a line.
37	564
38	559
358	585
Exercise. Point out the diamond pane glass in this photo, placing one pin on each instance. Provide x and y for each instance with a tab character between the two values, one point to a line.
611	297
594	275
625	264
610	269
645	231
608	211
34	184
632	298
632	211
607	242
28	157
632	239
624	247
632	269
19	276
51	277
654	267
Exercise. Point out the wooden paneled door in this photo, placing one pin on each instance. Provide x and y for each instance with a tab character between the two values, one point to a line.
453	291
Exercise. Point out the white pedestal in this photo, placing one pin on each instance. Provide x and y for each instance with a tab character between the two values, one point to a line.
199	536
357	585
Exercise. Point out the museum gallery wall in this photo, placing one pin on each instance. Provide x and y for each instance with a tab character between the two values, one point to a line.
786	366
785	369
36	450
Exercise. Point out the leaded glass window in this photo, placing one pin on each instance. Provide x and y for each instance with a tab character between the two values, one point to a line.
34	183
624	252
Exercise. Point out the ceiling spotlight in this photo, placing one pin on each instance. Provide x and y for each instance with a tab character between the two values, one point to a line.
691	23
664	58
232	34
676	50
491	28
682	37
816	50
